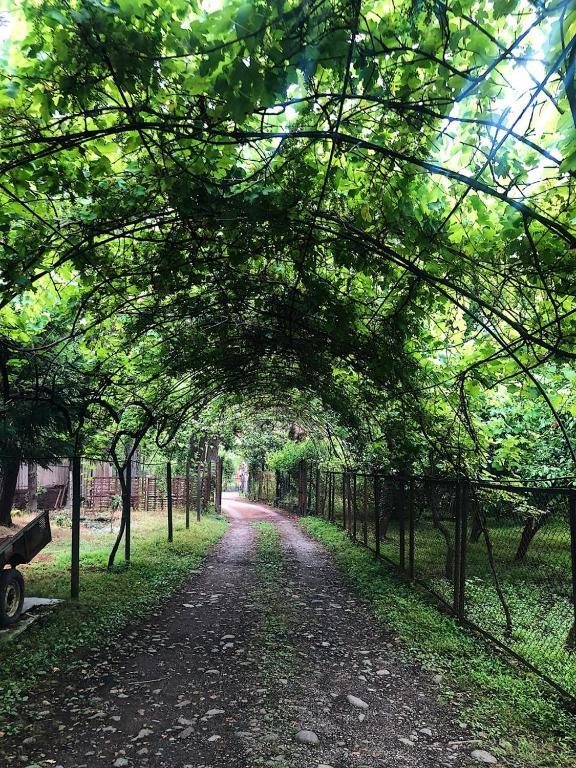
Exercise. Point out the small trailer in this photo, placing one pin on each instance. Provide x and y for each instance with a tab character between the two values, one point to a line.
15	550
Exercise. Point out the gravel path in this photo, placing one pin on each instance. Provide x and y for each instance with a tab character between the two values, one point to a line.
233	668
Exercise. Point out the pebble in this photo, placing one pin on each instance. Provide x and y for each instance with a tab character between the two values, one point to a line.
120	762
481	756
356	702
307	737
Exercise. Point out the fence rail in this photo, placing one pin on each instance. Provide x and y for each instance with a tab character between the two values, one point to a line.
501	557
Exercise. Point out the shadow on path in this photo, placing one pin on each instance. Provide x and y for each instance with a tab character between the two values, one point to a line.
236	664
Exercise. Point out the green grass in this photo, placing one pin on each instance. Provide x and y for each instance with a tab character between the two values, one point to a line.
273	636
506	707
109	600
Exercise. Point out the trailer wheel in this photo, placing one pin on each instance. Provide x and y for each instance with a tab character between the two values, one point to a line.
11	596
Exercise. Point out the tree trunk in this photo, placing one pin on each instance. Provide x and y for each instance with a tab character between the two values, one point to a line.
8	479
531	528
32	493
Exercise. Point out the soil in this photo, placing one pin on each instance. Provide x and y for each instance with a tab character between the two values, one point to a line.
7	532
231	670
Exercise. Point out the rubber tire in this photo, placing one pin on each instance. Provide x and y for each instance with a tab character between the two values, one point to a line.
11	585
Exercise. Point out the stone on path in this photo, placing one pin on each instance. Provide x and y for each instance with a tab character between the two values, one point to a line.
356	702
481	756
307	737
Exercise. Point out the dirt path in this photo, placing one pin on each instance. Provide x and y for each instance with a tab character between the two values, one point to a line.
231	669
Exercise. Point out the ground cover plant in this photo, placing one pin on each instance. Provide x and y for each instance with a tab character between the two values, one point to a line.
109	601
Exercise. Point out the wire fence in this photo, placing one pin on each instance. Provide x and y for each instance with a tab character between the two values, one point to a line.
101	489
501	557
85	491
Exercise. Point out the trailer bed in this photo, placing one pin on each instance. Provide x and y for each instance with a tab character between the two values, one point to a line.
20	545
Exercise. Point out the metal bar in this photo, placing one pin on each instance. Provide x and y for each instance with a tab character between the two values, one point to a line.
463	557
365	510
377	514
218	490
187	490
169	499
411	529
354	504
457	567
344	519
572	514
401	525
75	554
199	494
127	509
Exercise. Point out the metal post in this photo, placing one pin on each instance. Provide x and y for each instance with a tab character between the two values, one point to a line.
572	514
169	499
218	491
411	529
344	520
457	547
76	501
354	506
365	510
303	488
377	514
318	486
332	496
187	490
209	484
463	557
127	509
460	548
402	527
199	494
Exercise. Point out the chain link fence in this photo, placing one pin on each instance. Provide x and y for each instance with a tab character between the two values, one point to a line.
501	557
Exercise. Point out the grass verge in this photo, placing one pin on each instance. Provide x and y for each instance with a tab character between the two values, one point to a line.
109	600
274	630
505	706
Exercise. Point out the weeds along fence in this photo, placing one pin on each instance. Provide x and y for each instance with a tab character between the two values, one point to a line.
501	557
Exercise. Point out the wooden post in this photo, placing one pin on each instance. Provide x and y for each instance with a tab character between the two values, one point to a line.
76	501
169	500
32	491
